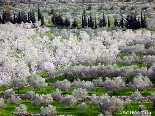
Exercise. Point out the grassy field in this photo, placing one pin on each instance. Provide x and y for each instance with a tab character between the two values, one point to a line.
91	111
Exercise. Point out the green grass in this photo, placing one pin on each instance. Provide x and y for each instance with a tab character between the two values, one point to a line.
46	90
55	79
3	88
91	111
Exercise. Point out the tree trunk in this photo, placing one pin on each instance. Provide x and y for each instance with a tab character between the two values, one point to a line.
114	92
18	90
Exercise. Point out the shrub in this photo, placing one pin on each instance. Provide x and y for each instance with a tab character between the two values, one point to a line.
63	85
110	104
38	100
88	85
18	83
2	104
136	96
153	98
98	82
37	82
127	101
56	95
47	99
93	100
80	93
30	95
21	109
141	83
69	99
114	85
141	108
48	110
100	114
8	93
82	106
14	100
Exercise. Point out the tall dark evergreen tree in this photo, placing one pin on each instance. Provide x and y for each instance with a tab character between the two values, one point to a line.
19	18
91	22
100	23
6	17
0	20
115	23
67	22
121	23
145	23
84	20
40	16
88	22
131	22
59	21
8	13
143	20
108	22
138	24
95	23
14	19
28	17
23	16
53	18
103	20
32	16
74	24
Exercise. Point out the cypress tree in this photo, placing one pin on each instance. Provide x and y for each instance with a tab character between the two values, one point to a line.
128	21
84	21
95	23
53	19
115	23
0	20
59	21
145	24
74	24
33	17
40	16
91	22
143	20
131	22
19	19
138	24
14	19
122	23
67	22
108	22
8	13
28	17
4	17
100	23
103	20
88	22
23	16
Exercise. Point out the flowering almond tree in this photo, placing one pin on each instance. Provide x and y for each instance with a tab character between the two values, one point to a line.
114	85
142	83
